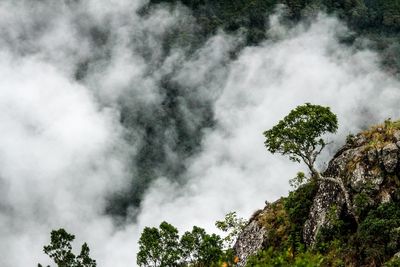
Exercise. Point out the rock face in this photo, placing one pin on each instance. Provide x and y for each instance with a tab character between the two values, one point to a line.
249	241
261	230
368	164
363	165
389	157
321	210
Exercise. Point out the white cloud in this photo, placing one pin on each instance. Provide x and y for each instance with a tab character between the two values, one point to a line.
63	149
60	154
234	171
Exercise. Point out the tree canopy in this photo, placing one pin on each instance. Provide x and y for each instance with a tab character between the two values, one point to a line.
162	246
159	247
299	134
60	250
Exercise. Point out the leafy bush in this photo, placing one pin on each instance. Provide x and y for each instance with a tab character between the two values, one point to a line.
395	262
363	203
379	233
272	258
276	222
298	205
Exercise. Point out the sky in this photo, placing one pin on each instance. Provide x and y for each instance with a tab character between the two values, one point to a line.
71	71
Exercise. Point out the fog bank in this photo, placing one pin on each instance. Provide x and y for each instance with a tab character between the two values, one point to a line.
104	131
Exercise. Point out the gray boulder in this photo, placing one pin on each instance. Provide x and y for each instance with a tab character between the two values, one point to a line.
249	241
389	157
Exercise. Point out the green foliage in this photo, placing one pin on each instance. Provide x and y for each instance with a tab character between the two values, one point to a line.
60	250
298	135
335	231
334	254
395	262
297	206
159	247
285	258
382	134
232	225
83	259
377	20
199	248
276	221
363	204
379	233
162	247
299	180
350	139
249	17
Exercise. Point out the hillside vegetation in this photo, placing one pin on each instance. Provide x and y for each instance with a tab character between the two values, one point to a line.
313	227
377	20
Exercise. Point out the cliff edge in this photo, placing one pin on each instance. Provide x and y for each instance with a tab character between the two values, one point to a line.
315	219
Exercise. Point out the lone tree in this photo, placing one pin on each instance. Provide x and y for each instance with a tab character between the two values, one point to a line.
299	136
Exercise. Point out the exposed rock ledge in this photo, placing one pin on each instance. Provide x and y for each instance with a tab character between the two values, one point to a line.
367	163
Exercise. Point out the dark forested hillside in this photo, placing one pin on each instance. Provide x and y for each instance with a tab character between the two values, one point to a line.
379	21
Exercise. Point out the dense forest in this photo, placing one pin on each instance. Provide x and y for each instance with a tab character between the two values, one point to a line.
378	21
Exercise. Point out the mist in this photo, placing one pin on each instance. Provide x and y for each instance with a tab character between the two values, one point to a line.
305	64
104	131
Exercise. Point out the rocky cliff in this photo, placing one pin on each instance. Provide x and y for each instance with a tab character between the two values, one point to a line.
316	213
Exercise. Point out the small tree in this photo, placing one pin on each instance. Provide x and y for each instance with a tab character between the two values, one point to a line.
299	136
159	247
233	226
83	259
200	249
60	250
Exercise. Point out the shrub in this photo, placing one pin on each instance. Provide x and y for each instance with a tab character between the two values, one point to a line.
297	206
285	258
379	233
